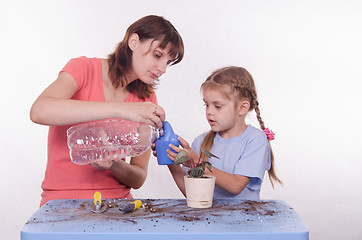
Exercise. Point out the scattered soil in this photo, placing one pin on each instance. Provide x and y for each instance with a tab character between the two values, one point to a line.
154	210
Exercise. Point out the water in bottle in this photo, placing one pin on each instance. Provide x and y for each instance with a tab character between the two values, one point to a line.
109	140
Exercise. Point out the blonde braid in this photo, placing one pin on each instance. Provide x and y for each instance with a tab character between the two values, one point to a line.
254	105
271	172
208	141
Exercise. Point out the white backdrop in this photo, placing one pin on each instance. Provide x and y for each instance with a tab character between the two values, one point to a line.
305	57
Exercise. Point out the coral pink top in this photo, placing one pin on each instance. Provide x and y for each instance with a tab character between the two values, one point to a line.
64	179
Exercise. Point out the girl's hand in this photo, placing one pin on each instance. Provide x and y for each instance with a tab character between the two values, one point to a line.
185	146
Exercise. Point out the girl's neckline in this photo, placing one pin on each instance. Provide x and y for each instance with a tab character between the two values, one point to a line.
232	139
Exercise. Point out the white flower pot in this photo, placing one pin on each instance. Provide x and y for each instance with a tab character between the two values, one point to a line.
199	191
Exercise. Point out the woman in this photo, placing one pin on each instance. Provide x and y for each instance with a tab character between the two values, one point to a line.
90	89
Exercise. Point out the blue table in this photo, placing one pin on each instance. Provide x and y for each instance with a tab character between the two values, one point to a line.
166	219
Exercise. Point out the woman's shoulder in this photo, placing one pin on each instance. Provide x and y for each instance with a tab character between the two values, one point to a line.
85	60
82	64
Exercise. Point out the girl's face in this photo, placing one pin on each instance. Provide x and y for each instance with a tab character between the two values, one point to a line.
149	61
223	114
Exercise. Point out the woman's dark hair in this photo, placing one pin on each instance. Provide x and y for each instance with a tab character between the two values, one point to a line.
120	61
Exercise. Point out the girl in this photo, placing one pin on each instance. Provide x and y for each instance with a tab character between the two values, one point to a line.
90	89
244	151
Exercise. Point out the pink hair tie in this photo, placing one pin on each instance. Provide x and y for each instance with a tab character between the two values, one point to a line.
269	134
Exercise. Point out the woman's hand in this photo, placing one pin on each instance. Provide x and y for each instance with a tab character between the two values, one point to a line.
145	112
104	164
153	148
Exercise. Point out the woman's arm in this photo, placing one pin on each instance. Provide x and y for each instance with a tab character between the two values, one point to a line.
131	174
55	107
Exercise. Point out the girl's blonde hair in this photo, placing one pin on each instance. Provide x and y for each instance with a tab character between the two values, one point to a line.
242	86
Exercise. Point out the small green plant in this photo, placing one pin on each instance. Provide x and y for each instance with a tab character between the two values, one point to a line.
197	170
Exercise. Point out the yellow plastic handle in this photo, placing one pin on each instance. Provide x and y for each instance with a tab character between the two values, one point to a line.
97	197
137	204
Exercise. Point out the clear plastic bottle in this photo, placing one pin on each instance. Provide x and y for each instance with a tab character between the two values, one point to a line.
109	139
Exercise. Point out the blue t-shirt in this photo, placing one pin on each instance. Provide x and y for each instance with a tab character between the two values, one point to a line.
247	155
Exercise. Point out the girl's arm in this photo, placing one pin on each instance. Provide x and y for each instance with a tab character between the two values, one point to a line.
178	176
232	183
175	170
55	107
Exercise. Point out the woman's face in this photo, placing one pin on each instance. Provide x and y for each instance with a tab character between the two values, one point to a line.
149	61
